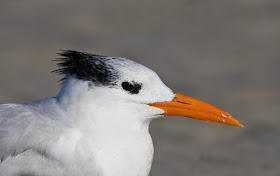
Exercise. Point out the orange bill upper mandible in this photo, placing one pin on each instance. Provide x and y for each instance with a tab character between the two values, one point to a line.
183	105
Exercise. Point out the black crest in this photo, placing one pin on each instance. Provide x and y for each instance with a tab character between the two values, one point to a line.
87	67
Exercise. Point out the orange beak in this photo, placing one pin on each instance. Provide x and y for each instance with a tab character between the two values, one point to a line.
183	105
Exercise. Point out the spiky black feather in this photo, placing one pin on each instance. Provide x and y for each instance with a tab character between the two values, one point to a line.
87	67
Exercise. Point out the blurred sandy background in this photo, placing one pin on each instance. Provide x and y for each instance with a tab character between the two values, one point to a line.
224	52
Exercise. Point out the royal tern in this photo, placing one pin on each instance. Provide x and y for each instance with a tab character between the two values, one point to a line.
97	124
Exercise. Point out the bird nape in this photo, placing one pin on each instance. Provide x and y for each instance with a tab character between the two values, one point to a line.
97	124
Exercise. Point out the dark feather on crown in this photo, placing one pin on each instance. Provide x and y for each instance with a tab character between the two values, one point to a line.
87	67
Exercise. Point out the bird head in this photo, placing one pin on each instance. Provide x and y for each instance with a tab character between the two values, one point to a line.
128	89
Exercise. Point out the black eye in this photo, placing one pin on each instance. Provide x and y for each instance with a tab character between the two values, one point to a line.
127	86
133	88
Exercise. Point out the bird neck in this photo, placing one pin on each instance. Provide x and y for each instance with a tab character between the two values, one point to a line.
107	131
92	109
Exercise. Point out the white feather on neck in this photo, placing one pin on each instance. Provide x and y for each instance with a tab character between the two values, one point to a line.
114	133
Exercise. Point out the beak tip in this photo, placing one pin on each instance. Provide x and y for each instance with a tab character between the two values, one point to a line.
239	124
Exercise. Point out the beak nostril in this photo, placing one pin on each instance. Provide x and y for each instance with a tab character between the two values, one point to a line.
183	102
176	99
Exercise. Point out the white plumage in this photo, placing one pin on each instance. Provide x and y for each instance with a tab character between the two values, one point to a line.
98	123
88	129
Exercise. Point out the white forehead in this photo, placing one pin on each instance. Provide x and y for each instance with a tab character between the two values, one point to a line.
133	71
153	89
